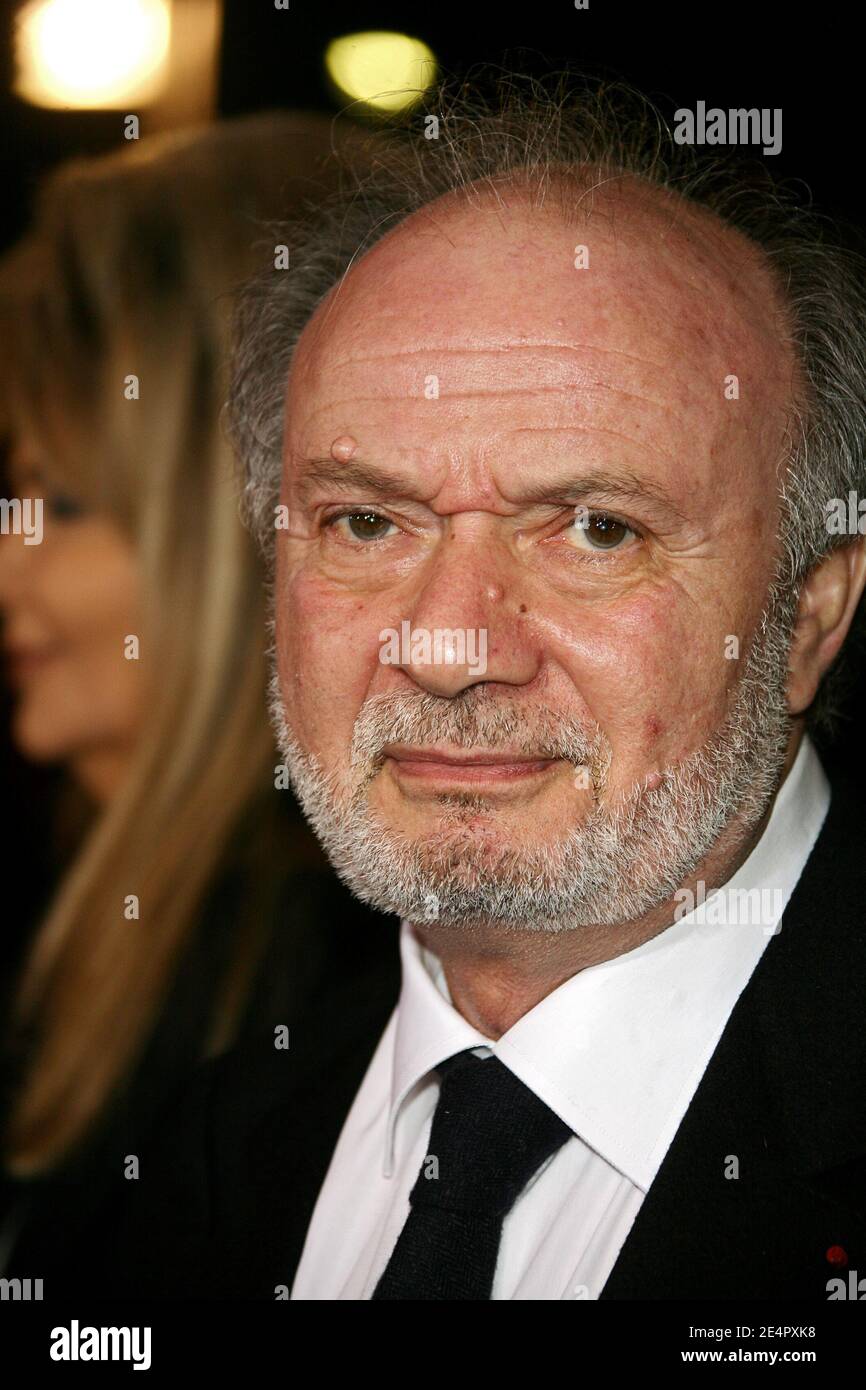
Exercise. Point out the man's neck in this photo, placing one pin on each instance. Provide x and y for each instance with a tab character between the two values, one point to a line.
496	975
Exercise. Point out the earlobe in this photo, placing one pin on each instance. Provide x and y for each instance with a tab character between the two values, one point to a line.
828	601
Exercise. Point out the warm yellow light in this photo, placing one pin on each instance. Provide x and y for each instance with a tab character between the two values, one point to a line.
389	72
91	53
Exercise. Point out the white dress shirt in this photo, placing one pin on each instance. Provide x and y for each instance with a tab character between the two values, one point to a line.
617	1051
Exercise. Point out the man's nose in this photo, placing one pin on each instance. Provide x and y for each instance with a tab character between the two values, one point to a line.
464	626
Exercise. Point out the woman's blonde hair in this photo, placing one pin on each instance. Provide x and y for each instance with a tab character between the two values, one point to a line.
129	271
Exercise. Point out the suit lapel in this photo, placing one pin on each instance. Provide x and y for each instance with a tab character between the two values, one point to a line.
783	1098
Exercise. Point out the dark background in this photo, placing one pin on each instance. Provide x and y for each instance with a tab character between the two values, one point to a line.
809	62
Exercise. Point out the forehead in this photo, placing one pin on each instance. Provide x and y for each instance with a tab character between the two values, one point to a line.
499	303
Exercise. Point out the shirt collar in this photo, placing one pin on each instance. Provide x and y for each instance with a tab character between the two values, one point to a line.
618	1050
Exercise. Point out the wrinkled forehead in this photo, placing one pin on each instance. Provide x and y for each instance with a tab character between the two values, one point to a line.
627	284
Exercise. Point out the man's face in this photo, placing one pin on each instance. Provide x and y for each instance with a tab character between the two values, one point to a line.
484	439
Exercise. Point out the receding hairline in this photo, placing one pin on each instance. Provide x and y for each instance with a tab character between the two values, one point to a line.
607	193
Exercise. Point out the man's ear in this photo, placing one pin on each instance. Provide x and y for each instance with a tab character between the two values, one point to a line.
828	601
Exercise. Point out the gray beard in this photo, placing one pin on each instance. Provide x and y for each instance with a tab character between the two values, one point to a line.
621	862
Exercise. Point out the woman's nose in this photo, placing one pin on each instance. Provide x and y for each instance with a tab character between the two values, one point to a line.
20	538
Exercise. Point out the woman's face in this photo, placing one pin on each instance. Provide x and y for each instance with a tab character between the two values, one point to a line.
69	604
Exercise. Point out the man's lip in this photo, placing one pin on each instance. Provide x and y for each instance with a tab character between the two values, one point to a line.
499	757
482	768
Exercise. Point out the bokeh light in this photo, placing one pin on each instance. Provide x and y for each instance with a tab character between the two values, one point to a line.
387	72
91	53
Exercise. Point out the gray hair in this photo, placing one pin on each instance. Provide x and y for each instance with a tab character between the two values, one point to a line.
555	136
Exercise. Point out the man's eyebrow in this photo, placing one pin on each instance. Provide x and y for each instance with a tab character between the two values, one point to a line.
625	487
363	477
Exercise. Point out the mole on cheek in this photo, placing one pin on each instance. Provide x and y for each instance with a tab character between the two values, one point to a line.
343	448
653	727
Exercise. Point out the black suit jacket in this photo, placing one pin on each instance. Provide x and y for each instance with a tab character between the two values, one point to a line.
228	1184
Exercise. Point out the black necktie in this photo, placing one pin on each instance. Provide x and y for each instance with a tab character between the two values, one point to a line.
490	1134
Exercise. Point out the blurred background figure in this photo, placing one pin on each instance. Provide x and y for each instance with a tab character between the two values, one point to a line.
135	642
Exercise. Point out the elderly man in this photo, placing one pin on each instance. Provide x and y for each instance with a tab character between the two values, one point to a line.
541	430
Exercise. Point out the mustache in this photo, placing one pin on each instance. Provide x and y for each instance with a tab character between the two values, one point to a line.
474	720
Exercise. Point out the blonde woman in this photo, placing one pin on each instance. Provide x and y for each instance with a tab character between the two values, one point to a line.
135	639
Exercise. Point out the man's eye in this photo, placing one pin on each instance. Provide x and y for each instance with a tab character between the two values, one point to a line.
598	531
362	526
